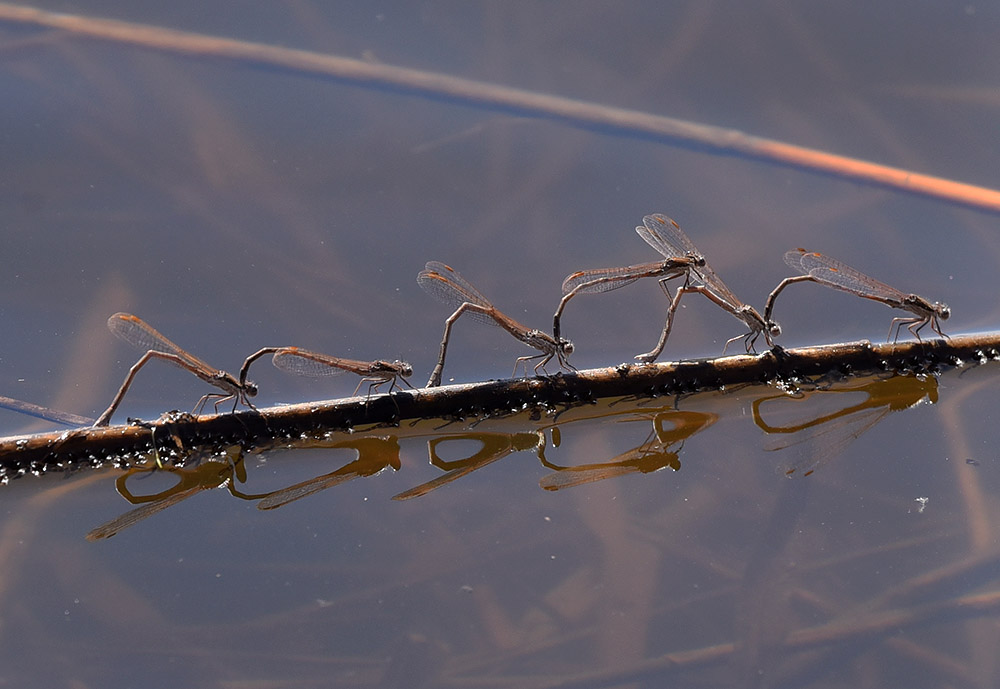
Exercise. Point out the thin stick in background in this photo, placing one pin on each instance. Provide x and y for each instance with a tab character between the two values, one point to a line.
666	232
40	412
607	279
143	336
576	113
832	273
445	284
303	362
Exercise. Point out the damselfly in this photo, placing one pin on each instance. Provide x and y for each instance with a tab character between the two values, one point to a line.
832	273
672	266
143	336
448	286
672	237
303	362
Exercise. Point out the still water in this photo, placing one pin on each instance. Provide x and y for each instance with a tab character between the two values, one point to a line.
741	538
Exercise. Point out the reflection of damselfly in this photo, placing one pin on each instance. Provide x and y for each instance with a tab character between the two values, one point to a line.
607	279
191	480
375	454
836	429
832	273
653	454
670	238
302	362
448	286
492	447
141	335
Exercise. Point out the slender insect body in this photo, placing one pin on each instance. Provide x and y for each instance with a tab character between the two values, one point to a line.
445	284
816	267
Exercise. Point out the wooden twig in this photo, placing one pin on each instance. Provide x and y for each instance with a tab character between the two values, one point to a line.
522	103
287	425
53	415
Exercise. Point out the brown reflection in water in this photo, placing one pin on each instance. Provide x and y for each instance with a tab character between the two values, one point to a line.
493	446
190	481
375	454
831	430
204	470
652	455
836	429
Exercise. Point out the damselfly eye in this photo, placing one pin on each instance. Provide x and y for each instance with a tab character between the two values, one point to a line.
250	389
943	311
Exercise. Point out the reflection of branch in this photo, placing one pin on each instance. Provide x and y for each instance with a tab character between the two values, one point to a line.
499	98
274	426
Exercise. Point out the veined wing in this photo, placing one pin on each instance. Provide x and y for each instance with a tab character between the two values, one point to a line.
666	236
302	362
832	272
144	337
445	284
607	279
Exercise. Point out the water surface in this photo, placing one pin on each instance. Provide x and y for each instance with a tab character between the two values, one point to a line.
235	206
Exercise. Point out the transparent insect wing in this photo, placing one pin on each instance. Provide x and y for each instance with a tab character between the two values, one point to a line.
793	259
469	292
833	272
448	286
299	365
140	334
145	337
666	236
604	279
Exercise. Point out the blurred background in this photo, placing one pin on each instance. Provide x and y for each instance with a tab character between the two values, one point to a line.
235	205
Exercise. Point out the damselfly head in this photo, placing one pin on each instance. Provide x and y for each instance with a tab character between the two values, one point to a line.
565	346
773	329
942	310
250	388
404	368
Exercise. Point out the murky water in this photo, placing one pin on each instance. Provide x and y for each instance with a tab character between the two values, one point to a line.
737	538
